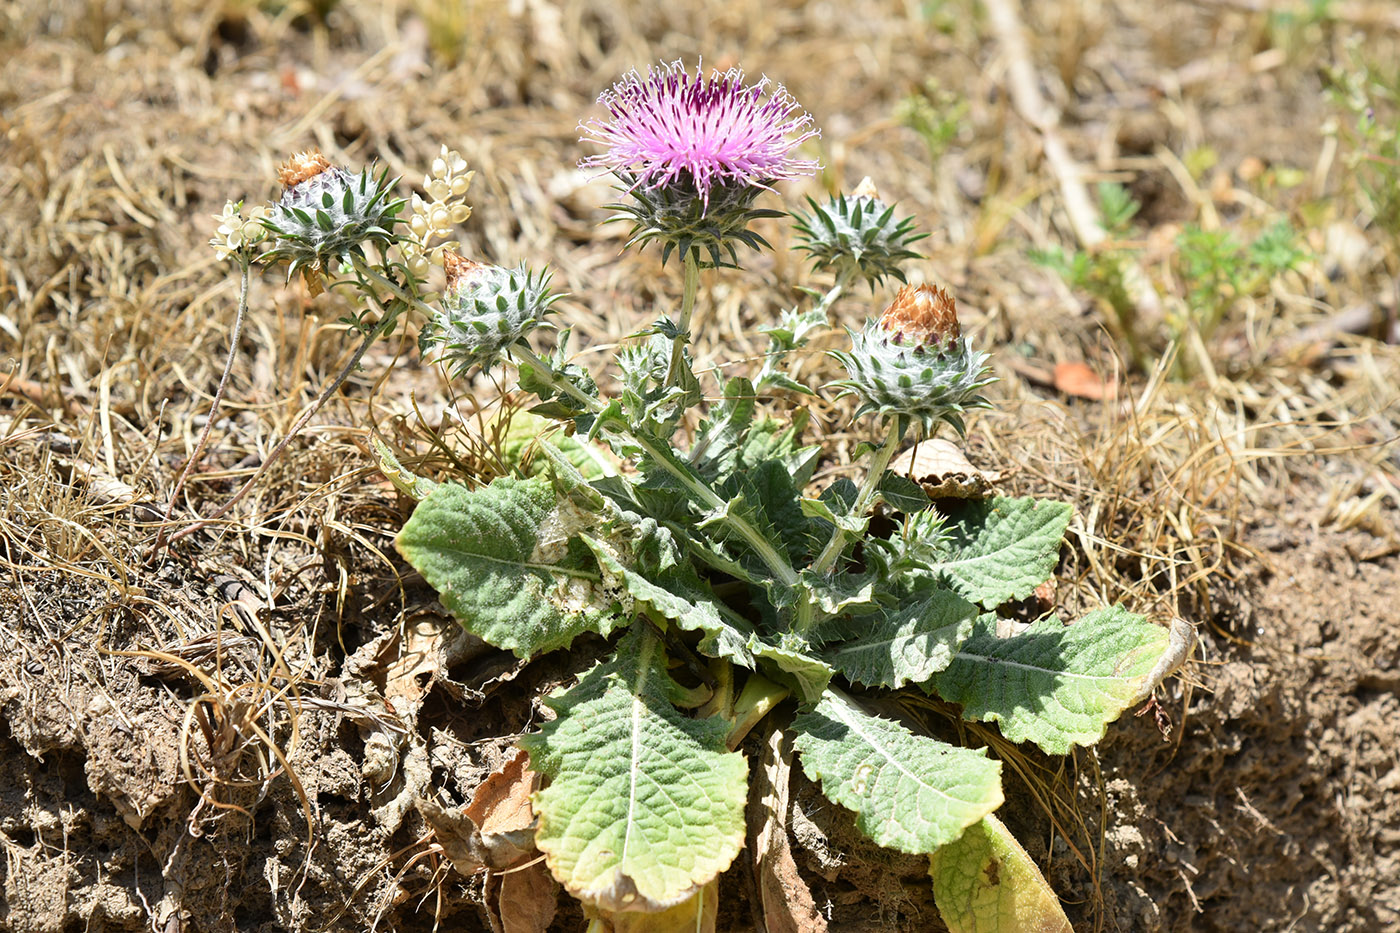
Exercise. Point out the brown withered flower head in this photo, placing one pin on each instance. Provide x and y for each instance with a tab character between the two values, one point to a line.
923	316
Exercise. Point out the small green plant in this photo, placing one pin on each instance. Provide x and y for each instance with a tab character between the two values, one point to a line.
1370	96
1102	272
1218	270
936	114
728	586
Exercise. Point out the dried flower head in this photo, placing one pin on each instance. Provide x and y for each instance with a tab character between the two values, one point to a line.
914	362
923	315
301	167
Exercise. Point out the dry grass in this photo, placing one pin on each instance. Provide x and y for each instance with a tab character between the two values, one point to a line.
125	128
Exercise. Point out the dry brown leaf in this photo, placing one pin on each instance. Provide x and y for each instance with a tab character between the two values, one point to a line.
1078	380
784	897
522	900
501	810
944	471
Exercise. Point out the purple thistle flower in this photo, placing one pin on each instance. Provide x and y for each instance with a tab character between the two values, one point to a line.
672	128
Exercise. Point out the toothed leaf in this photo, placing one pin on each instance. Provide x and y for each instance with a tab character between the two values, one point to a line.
1056	685
506	560
645	805
909	792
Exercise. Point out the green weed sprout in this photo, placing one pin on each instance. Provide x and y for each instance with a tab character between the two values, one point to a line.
731	591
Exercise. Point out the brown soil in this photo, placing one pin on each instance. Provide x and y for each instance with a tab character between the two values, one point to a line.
233	737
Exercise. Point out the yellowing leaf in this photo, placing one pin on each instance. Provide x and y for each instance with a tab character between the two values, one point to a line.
986	883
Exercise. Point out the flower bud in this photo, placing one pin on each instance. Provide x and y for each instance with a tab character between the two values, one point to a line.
857	234
913	362
484	311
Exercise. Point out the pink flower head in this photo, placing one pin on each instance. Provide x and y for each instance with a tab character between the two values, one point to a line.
671	127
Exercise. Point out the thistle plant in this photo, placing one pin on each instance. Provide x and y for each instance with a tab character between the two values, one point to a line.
731	590
332	223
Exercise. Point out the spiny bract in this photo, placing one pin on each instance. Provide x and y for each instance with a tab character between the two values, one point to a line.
484	310
914	363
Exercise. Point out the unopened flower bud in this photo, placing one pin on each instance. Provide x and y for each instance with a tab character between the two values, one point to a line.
484	311
857	234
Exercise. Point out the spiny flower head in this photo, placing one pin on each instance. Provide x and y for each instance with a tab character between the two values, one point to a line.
672	126
694	152
326	213
914	362
856	234
484	311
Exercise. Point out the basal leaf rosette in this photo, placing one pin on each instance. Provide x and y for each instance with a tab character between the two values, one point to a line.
485	310
914	362
326	213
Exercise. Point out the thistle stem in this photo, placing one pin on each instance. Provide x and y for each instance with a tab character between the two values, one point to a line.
663	457
245	264
837	289
837	544
691	288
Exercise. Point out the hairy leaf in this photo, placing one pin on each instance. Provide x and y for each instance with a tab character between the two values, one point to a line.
906	644
506	561
1002	549
986	883
645	805
909	792
681	601
1056	685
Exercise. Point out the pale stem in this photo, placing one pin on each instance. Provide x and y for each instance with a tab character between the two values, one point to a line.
374	334
245	264
837	289
837	544
692	287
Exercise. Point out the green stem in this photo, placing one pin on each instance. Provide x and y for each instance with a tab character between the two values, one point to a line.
663	457
837	289
691	288
837	544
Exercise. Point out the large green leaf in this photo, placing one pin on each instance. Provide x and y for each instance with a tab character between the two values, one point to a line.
1059	685
645	805
986	883
906	644
678	599
909	792
506	560
1002	549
